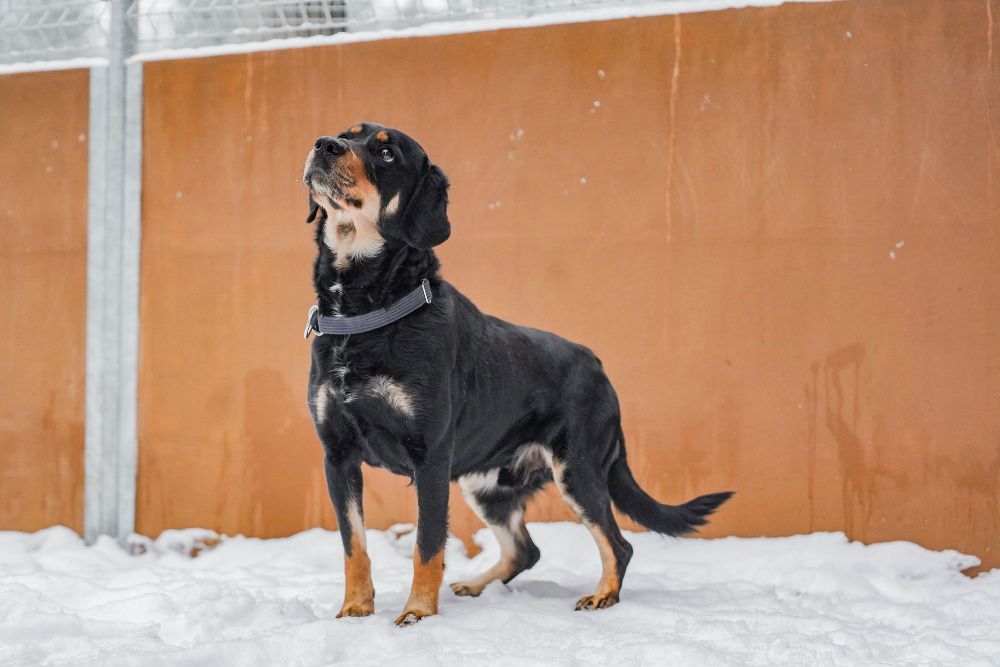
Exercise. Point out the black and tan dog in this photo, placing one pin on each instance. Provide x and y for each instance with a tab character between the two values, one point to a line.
448	393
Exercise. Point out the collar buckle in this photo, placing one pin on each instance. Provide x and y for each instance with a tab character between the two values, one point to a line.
425	285
311	323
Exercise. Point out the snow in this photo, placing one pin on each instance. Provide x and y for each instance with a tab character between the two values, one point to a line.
813	599
52	65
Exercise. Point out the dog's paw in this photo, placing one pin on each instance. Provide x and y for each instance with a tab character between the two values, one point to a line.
466	588
593	602
412	616
365	608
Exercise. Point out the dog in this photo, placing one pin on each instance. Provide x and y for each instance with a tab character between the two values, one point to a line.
446	393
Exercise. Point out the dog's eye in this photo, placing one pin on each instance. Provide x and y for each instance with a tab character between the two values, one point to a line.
387	155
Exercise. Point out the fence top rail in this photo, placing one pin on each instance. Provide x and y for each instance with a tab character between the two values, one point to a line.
55	34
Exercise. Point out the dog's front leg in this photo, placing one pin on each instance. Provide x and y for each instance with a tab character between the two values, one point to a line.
343	478
431	481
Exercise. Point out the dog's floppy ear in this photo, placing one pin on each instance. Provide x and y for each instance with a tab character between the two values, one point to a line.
315	210
425	218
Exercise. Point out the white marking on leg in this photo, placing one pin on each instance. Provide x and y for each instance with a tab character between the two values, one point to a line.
321	401
356	522
532	456
558	472
478	482
506	536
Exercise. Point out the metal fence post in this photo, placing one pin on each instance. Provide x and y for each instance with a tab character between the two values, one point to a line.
113	227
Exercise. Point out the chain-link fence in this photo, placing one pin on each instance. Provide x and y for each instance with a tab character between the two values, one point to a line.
165	24
46	30
33	30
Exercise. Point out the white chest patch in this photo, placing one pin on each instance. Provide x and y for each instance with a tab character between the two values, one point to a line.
353	234
382	386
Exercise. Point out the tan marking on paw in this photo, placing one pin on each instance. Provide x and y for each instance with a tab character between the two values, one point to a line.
608	587
427	578
471	588
597	601
506	565
357	609
359	593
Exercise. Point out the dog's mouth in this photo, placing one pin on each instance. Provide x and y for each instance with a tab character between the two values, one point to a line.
324	192
330	188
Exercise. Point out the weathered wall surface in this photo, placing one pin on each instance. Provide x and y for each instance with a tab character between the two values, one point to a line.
43	279
787	218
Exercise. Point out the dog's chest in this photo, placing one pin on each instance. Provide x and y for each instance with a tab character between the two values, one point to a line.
369	409
364	388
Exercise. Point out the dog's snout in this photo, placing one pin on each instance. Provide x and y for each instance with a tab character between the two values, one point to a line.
329	146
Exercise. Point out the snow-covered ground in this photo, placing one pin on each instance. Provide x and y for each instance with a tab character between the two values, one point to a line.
808	600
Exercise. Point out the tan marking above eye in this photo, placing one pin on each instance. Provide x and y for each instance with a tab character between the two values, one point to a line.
352	232
357	129
382	136
393	205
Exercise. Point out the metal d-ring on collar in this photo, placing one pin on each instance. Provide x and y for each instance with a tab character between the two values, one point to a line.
375	319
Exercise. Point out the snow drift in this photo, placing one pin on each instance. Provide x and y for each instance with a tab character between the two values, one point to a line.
813	599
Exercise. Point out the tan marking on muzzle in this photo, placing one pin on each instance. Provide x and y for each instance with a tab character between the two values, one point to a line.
353	229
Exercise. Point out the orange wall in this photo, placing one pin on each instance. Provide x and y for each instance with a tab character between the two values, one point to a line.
788	218
43	278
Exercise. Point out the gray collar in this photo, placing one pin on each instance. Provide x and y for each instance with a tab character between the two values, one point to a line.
375	319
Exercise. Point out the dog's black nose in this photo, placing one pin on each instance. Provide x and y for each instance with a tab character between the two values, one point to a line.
329	145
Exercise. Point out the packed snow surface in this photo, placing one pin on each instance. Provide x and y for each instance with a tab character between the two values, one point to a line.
814	599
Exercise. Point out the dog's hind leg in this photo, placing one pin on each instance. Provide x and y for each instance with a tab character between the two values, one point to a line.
588	497
503	511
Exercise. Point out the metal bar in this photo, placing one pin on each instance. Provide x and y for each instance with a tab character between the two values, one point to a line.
128	444
113	286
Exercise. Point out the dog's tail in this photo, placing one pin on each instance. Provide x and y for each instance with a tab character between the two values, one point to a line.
672	520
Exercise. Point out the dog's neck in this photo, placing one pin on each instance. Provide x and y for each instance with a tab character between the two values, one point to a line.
363	285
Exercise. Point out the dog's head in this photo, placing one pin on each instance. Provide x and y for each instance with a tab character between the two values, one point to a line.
377	183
